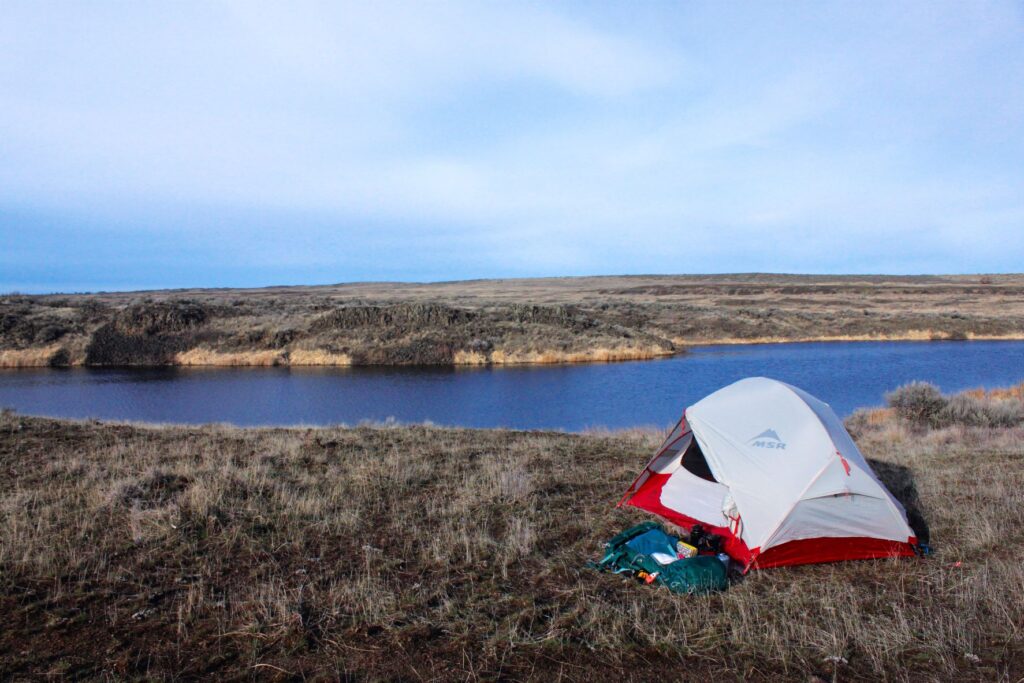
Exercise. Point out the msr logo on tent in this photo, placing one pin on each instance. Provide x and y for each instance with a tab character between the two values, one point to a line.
768	439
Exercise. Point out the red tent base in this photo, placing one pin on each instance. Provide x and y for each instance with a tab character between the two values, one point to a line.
817	550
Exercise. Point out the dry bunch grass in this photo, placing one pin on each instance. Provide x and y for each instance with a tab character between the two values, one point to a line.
463	357
387	553
596	355
201	356
317	357
999	394
551	357
28	358
907	335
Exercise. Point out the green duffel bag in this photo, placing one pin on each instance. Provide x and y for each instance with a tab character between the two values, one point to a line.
701	574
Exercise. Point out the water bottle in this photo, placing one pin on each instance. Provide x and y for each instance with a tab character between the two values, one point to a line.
724	558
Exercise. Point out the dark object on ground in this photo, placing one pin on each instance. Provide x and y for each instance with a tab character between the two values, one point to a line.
704	542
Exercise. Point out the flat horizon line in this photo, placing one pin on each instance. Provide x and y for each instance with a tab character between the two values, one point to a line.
537	278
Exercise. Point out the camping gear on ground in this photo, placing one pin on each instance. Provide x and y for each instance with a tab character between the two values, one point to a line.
706	543
635	551
772	471
652	540
663	559
724	559
685	550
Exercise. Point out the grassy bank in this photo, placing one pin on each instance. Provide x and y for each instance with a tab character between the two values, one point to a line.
420	553
555	320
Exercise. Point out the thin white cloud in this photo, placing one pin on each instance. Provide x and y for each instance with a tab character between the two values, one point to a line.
541	138
408	50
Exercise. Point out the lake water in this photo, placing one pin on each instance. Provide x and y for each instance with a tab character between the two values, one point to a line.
570	397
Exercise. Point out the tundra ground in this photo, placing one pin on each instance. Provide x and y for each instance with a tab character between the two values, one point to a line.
423	553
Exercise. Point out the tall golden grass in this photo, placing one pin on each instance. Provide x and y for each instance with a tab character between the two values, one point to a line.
297	357
318	357
551	356
202	356
463	357
38	357
907	335
999	394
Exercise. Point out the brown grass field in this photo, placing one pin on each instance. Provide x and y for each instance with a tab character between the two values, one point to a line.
544	320
414	553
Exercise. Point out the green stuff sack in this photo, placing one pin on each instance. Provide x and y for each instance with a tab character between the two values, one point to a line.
701	574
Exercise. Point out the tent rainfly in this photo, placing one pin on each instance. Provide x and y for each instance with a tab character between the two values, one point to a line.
773	471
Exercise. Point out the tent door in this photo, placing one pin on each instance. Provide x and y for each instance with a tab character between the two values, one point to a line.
695	463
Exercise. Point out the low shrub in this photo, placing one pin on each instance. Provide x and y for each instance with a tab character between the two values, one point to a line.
50	333
966	410
974	411
1007	413
922	405
919	403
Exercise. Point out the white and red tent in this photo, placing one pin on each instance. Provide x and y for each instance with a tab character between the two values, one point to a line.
773	471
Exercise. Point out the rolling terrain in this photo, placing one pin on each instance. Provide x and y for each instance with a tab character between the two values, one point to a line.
545	320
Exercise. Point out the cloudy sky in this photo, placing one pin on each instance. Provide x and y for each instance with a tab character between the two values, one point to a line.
171	144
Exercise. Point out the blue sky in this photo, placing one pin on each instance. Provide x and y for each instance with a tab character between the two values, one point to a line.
147	145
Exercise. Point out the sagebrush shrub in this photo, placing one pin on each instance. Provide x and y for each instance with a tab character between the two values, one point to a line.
967	410
922	405
919	403
973	411
1006	413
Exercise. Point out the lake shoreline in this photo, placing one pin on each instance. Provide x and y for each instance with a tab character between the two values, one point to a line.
42	358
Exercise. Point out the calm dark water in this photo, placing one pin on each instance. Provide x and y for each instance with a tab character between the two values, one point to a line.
573	397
